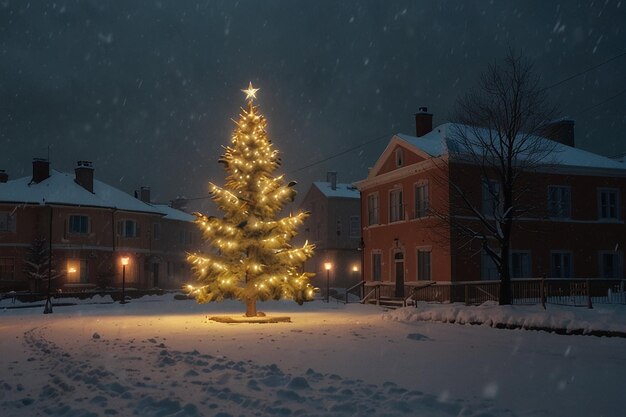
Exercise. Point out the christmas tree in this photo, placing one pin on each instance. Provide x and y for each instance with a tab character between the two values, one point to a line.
251	258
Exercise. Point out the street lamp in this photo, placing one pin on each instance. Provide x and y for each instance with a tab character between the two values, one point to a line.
124	263
328	266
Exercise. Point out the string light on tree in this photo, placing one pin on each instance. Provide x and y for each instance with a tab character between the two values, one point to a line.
252	258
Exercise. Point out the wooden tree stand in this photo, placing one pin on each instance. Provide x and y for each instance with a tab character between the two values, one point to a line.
244	319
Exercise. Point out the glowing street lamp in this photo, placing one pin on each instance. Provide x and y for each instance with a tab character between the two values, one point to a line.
328	266
124	263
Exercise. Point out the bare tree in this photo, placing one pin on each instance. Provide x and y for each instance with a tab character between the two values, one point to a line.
497	130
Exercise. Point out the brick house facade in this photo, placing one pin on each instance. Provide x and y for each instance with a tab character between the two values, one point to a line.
91	226
578	230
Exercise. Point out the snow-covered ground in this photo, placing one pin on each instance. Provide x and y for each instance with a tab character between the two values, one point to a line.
157	356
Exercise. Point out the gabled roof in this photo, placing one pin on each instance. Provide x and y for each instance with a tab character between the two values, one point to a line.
61	189
441	140
341	191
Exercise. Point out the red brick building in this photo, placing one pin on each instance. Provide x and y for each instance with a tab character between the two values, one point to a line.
91	226
579	232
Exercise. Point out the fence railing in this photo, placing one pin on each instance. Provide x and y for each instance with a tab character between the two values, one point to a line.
573	291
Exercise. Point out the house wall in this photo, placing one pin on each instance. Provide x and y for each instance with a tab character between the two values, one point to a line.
100	249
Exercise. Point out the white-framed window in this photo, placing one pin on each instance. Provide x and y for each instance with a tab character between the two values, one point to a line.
355	226
559	202
421	199
610	263
7	269
7	222
78	224
521	264
491	197
377	263
488	268
77	271
127	228
373	209
424	265
561	264
396	211
156	231
399	157
608	204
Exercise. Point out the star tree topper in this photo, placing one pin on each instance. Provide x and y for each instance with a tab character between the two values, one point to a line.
250	92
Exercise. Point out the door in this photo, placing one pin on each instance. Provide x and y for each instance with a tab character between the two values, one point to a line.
399	267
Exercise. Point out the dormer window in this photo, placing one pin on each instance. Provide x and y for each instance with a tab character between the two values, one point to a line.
399	157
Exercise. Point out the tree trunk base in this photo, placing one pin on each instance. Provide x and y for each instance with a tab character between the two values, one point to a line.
251	308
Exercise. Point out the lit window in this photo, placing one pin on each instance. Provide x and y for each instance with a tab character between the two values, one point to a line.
77	271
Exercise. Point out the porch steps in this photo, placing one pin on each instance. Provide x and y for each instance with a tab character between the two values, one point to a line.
389	303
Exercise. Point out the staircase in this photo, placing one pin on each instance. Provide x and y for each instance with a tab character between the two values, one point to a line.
389	303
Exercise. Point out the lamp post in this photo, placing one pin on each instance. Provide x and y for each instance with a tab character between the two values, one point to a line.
328	266
124	263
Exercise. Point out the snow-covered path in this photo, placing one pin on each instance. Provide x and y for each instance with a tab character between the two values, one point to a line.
164	358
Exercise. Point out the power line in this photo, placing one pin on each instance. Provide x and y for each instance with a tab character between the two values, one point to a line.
601	103
578	74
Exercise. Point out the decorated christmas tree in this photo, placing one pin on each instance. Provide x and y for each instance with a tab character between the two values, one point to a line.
251	258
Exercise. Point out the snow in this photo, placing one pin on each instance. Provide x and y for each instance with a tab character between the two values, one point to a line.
60	188
341	191
174	214
157	356
440	139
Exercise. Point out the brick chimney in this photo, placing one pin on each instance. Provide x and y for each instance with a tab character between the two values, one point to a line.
84	175
4	177
331	177
144	194
41	170
423	122
561	131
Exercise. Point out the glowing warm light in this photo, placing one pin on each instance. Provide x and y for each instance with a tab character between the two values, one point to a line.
250	92
355	268
328	266
125	260
71	270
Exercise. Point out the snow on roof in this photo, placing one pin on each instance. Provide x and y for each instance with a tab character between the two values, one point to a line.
60	188
174	214
341	191
441	139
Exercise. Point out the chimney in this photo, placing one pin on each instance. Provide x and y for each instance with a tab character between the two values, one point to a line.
179	203
331	177
4	177
84	175
144	194
41	170
423	122
561	131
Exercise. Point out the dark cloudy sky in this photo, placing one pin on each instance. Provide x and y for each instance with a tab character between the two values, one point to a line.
146	89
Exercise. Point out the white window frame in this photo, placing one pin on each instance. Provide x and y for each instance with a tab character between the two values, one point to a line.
529	267
122	231
619	266
399	156
355	226
396	211
422	206
373	209
561	207
601	207
419	270
80	232
562	254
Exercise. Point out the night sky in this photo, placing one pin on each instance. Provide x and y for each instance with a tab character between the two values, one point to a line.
146	89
